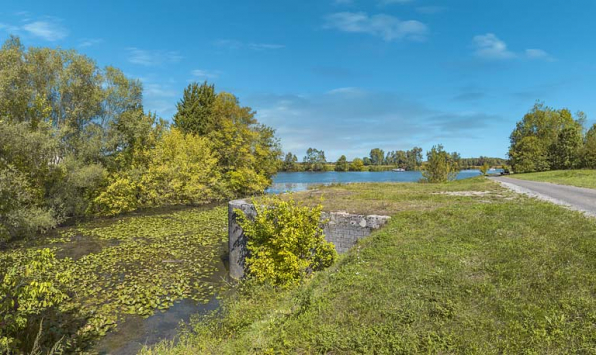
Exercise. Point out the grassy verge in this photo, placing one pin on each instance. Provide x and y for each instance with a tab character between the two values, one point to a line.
461	268
579	178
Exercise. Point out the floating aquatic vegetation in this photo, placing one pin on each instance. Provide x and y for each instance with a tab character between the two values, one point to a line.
145	264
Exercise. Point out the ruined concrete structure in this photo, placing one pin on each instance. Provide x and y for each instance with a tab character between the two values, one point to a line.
342	229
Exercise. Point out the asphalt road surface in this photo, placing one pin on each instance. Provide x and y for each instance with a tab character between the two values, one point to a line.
576	198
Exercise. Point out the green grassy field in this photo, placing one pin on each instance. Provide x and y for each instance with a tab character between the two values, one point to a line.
465	267
579	178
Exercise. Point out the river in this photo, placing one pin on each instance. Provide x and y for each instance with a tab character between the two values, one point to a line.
300	181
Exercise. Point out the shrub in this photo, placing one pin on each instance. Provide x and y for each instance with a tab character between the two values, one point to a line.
357	165
29	286
285	242
440	167
484	169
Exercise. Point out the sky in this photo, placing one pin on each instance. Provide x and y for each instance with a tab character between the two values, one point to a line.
344	76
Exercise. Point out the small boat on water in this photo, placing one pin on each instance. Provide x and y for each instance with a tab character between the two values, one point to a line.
398	170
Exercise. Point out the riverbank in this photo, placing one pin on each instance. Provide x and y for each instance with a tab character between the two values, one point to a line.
577	178
465	267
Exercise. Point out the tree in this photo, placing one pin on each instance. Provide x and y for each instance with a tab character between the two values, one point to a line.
366	161
290	163
537	138
377	156
414	159
356	165
314	160
589	150
341	164
565	152
195	110
440	166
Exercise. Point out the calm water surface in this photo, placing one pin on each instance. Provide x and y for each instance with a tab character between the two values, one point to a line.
300	181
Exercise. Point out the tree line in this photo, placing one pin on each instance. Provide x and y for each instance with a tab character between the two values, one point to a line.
552	139
75	140
315	160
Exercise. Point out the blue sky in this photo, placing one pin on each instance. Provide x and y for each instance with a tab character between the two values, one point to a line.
344	76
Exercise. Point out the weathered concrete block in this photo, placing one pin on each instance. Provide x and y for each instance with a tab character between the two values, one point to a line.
342	229
237	239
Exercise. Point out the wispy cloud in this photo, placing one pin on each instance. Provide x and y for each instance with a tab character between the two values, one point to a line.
89	42
489	46
151	58
235	44
49	29
208	74
389	2
388	27
538	54
431	10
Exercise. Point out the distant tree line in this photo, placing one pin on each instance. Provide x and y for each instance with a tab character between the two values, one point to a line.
551	139
470	163
315	160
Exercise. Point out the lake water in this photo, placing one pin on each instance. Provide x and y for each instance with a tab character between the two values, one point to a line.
300	181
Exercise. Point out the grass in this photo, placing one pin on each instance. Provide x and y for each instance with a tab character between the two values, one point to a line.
579	178
451	273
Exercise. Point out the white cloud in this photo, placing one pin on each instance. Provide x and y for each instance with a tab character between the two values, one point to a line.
152	58
431	10
48	29
490	46
538	54
90	42
389	2
200	73
385	26
234	44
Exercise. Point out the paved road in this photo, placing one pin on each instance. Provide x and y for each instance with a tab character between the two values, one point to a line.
577	198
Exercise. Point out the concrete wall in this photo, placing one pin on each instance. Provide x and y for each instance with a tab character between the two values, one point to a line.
342	229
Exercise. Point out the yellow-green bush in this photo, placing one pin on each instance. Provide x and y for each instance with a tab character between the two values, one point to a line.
285	242
28	286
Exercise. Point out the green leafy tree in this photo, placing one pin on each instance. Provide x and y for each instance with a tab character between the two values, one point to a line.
290	163
366	161
356	165
286	243
342	164
538	144
440	166
195	110
589	149
377	156
565	153
413	159
314	160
